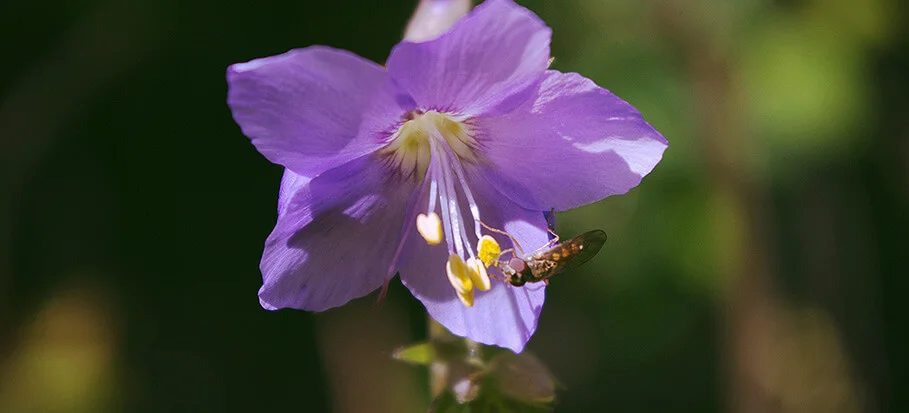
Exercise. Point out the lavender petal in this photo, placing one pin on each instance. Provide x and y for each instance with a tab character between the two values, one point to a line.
486	63
335	237
576	143
302	109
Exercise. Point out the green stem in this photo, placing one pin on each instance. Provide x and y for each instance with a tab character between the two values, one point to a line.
438	372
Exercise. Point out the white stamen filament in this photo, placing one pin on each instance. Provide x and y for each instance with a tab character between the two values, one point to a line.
446	215
431	146
449	161
433	190
460	174
454	210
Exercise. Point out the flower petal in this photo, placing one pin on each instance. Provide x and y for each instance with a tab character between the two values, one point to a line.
303	109
575	144
505	315
291	183
335	237
487	62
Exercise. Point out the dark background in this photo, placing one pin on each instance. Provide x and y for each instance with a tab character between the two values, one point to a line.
759	268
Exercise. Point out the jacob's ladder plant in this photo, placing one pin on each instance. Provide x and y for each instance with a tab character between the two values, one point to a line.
395	169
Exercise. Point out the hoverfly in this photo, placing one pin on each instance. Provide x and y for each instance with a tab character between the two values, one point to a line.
553	258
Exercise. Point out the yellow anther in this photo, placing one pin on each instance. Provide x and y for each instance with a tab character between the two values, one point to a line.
488	250
430	227
458	274
478	275
466	298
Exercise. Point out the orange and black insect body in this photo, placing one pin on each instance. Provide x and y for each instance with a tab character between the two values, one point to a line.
554	259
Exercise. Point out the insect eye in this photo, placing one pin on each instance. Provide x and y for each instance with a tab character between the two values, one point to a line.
517	264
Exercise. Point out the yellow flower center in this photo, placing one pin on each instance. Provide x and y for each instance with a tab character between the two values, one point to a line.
434	148
410	148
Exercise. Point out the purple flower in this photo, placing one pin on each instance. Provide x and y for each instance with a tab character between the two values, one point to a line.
391	169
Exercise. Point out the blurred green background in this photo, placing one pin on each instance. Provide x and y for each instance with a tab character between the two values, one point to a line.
759	268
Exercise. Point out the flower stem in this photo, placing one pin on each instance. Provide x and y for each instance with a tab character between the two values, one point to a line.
438	372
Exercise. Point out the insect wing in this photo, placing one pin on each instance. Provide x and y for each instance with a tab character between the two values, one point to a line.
574	252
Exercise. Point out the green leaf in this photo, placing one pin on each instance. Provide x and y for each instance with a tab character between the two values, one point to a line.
420	354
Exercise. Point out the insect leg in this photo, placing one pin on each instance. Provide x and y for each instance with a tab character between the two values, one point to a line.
555	236
511	250
498	231
504	278
549	243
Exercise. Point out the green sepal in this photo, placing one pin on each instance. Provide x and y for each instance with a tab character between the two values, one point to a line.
420	354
